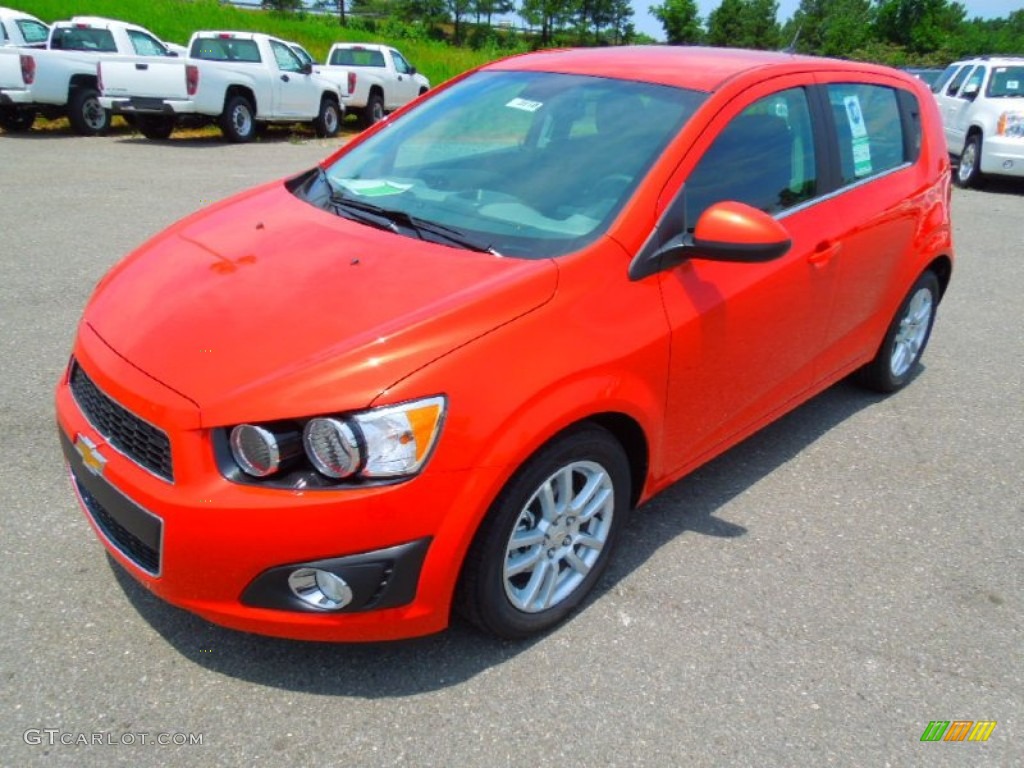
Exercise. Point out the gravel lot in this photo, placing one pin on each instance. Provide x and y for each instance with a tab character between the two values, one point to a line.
815	597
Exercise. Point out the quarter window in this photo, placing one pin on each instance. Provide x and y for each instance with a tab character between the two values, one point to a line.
764	157
869	129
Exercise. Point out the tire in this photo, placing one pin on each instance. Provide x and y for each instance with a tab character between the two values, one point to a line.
516	591
906	339
157	128
17	120
968	172
238	121
373	112
86	115
328	122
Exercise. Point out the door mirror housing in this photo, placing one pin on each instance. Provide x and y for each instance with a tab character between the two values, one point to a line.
306	68
731	231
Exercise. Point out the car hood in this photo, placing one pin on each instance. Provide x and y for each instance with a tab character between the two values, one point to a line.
265	307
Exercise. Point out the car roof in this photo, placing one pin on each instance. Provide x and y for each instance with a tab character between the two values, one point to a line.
695	67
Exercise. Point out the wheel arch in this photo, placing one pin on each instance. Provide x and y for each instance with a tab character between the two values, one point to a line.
942	266
82	81
243	91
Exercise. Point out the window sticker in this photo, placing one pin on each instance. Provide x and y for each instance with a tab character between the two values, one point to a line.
1012	85
525	105
373	187
859	136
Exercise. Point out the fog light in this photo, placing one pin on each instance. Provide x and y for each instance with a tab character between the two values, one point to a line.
1007	164
320	589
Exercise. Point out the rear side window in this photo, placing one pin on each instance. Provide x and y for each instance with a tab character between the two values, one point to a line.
954	86
1006	82
33	31
944	78
764	157
83	39
225	49
869	128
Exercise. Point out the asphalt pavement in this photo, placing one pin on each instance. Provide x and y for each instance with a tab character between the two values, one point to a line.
817	596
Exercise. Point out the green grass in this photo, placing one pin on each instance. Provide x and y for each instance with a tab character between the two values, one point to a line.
176	20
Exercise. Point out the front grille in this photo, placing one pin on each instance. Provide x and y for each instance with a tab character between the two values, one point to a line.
130	545
141	442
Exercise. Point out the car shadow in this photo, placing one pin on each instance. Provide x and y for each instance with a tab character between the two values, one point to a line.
380	670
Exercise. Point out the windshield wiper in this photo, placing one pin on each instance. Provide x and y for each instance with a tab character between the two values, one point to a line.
392	220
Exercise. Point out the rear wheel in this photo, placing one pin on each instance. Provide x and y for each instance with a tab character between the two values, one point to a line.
906	338
155	127
968	173
237	121
373	112
17	120
328	122
548	536
86	115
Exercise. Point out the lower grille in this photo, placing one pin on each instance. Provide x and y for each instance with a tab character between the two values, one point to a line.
140	441
130	545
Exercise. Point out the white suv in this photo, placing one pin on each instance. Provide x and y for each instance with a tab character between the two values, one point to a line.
982	106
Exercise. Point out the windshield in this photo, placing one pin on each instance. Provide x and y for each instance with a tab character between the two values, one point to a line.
520	163
1006	81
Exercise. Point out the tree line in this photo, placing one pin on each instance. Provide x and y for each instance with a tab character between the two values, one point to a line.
900	32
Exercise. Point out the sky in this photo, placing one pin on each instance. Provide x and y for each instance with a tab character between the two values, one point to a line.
644	22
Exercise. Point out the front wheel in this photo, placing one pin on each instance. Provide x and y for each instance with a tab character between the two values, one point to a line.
85	114
328	122
968	173
17	120
906	338
237	121
153	127
548	536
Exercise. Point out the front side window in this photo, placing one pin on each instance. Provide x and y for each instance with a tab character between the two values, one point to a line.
146	45
869	129
33	31
973	84
401	65
528	164
764	157
286	60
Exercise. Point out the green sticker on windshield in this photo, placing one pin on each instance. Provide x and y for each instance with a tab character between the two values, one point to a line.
374	187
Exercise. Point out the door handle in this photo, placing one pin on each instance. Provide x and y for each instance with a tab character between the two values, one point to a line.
285	78
823	252
142	66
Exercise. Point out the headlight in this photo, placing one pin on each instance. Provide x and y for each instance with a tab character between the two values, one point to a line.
1011	125
394	441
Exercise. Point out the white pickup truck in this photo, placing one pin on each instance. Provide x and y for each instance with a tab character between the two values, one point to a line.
385	80
239	79
22	30
61	80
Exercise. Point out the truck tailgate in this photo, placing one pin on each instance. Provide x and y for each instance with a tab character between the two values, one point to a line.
145	76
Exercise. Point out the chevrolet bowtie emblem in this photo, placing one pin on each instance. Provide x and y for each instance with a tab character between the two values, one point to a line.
91	456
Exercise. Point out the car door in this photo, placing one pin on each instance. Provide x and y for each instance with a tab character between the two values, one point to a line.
406	88
877	134
745	336
294	91
951	106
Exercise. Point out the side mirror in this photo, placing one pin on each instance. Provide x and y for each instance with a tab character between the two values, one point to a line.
730	231
306	69
970	91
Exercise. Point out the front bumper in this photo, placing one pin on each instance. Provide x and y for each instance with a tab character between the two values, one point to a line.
223	550
1003	156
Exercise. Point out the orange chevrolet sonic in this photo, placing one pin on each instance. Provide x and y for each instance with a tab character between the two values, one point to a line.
437	371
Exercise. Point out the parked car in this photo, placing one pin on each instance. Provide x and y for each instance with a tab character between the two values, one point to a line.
343	78
928	75
440	368
239	79
62	80
982	105
22	30
384	79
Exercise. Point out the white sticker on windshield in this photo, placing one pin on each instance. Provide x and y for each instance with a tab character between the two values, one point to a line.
526	106
373	187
